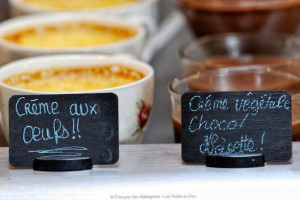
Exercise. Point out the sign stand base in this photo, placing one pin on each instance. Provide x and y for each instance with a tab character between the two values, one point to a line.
235	160
58	163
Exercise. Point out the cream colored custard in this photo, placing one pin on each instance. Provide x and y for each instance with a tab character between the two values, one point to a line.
69	35
75	79
76	4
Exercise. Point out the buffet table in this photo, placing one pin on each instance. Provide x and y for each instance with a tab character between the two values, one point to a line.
152	172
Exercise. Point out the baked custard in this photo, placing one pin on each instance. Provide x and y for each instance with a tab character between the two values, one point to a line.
75	79
69	35
76	4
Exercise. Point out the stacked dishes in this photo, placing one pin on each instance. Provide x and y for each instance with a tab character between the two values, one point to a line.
242	46
78	38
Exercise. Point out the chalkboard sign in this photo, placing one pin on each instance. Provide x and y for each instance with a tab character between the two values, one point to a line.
236	123
63	125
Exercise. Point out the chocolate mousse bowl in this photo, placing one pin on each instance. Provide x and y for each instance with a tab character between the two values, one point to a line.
268	50
236	79
223	16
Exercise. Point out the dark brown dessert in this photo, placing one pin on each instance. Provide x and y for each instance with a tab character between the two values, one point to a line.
222	16
296	121
281	63
3	142
246	80
249	61
177	129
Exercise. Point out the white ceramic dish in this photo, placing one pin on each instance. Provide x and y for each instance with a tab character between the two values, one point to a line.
10	51
133	119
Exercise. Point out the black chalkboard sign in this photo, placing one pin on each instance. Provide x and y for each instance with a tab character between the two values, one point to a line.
63	125
236	123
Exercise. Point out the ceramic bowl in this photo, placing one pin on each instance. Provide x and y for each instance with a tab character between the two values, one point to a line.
10	51
135	99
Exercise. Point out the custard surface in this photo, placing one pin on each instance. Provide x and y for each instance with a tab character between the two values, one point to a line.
69	35
76	4
75	79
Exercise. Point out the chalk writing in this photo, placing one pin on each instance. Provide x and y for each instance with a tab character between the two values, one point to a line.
107	155
58	130
35	133
248	105
215	144
82	109
33	107
59	150
197	103
197	123
264	102
236	123
63	151
63	125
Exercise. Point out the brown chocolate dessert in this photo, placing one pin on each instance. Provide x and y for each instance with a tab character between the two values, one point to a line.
296	121
244	81
222	16
177	129
249	60
250	79
3	142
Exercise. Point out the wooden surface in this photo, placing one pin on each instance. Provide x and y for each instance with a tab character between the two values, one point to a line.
152	170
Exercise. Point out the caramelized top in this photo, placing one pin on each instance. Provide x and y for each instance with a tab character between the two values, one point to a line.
75	79
76	4
69	35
